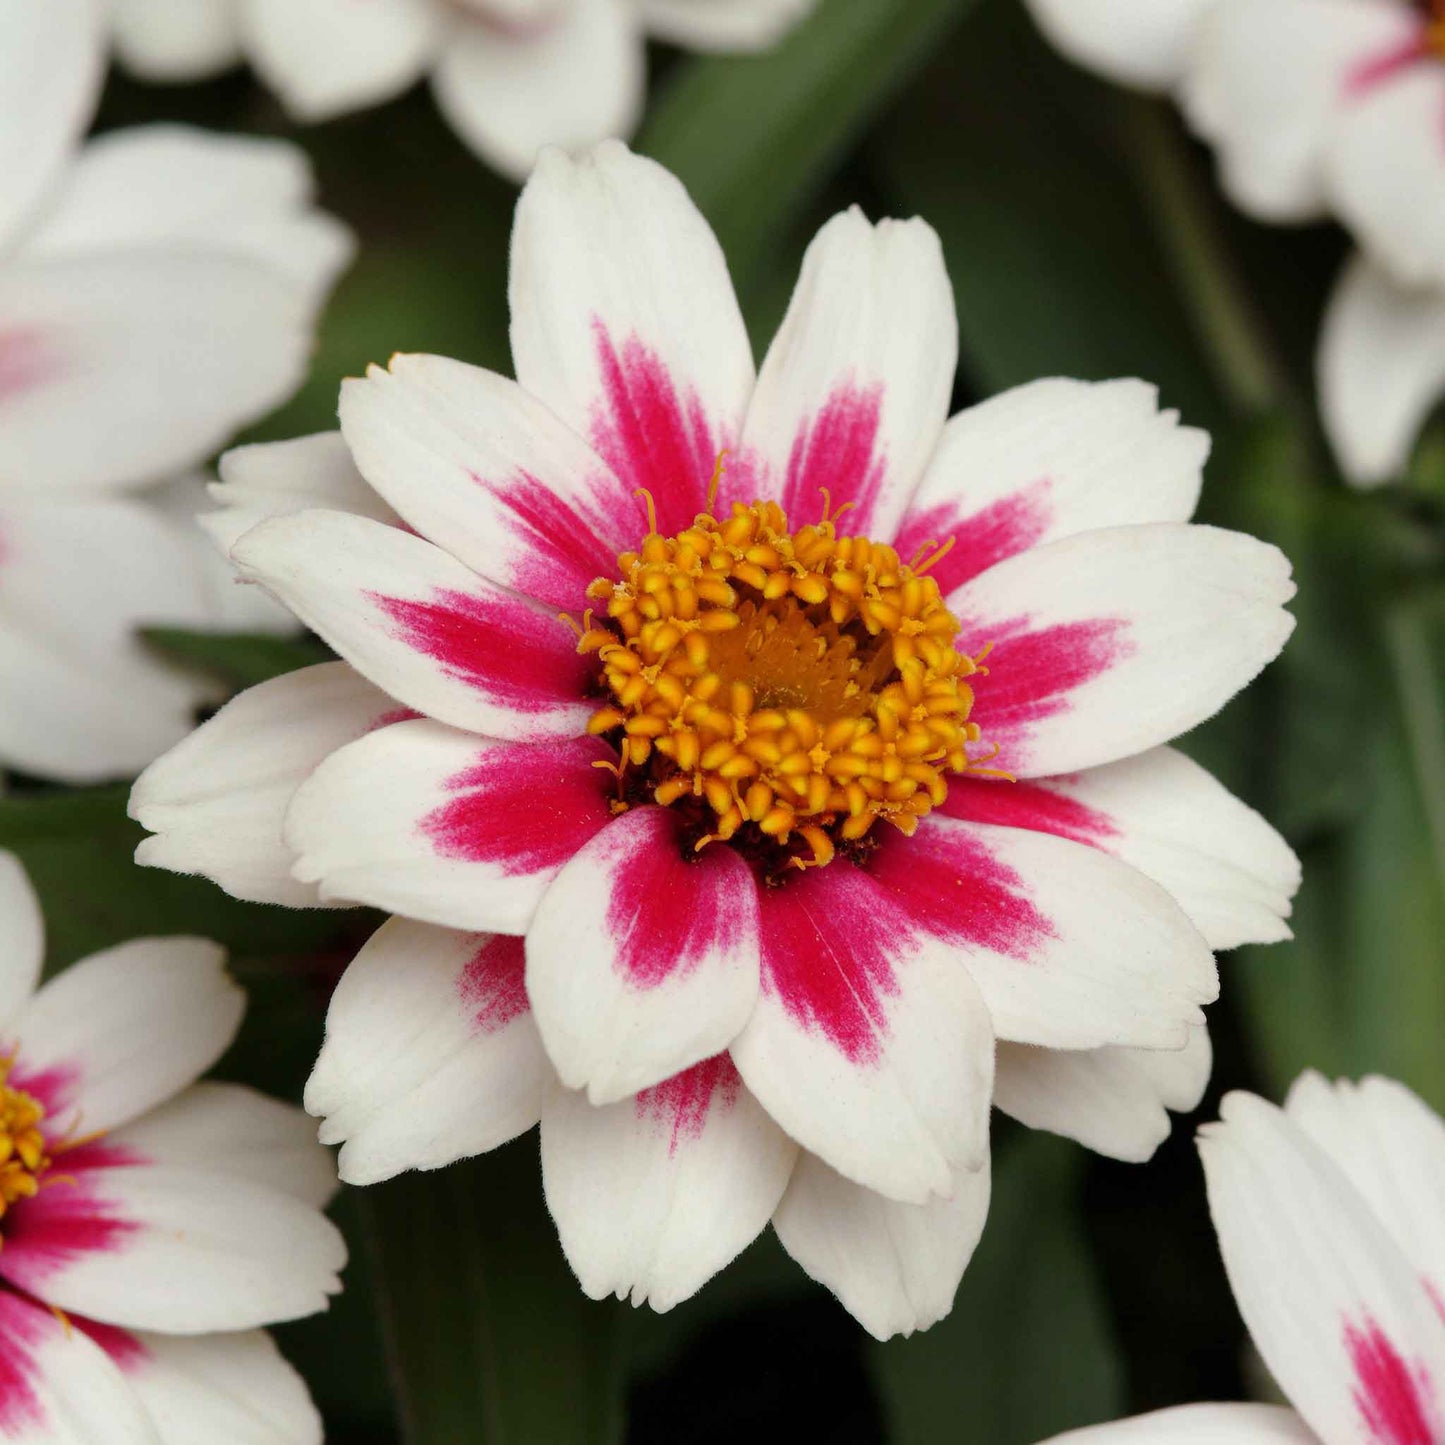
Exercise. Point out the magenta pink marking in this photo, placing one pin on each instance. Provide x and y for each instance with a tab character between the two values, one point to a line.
27	360
833	938
683	1103
650	434
1038	807
122	1346
23	1330
1002	529
396	715
669	911
838	448
56	1089
1436	1298
1374	71
524	807
493	986
499	645
1393	1398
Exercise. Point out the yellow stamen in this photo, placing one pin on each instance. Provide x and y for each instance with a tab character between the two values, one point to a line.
23	1155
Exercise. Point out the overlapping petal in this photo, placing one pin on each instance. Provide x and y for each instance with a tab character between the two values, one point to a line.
1137	42
22	938
176	40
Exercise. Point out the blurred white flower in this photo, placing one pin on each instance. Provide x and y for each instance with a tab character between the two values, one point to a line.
720	882
149	1224
1329	1219
1316	108
511	76
158	289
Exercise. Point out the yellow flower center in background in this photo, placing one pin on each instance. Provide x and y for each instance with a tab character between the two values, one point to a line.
22	1146
796	683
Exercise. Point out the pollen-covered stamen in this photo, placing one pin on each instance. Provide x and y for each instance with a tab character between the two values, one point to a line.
801	683
23	1157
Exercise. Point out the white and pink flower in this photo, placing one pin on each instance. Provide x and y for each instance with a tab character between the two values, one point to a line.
511	76
1315	108
697	810
158	289
1328	1215
150	1225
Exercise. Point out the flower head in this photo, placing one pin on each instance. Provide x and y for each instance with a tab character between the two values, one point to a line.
149	1224
742	754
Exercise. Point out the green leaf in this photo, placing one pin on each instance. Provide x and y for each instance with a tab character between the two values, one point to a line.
238	659
490	1338
756	137
1027	1351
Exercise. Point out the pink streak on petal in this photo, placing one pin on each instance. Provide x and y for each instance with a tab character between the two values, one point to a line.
499	645
652	433
1393	1398
526	808
683	1103
1002	529
1436	1298
23	1328
396	715
122	1346
838	448
493	987
1027	805
1374	71
56	1088
670	907
27	360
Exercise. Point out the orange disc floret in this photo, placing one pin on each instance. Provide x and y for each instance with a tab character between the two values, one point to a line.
803	682
22	1145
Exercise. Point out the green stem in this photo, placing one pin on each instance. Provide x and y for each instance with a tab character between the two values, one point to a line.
1420	689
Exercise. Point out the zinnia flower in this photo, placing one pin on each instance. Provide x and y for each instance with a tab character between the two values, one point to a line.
511	76
149	1224
677	722
1317	107
158	289
1328	1216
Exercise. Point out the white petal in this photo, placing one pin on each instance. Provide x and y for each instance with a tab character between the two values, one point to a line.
1391	1146
216	801
1113	1100
624	322
1110	642
416	622
1230	872
870	1044
486	471
125	1029
723	25
1381	368
326	57
142	363
570	80
895	1267
431	1054
233	1129
854	391
232	1389
22	938
1336	1310
51	68
1199	1425
176	40
642	960
448	827
1271	122
655	1194
1146	43
1044	461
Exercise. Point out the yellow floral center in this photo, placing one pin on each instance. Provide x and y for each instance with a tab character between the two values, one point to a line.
22	1146
791	688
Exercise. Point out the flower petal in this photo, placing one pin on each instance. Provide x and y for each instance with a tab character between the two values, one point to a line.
575	77
896	1267
443	826
624	322
1145	43
164	41
22	938
642	960
1110	642
431	1053
125	1029
1336	1310
1160	812
1044	461
1381	368
723	25
854	392
486	471
870	1044
1115	1101
655	1194
416	622
1199	1425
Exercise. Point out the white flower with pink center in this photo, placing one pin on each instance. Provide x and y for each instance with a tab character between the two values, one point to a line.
742	754
511	76
1316	108
150	1225
1328	1215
